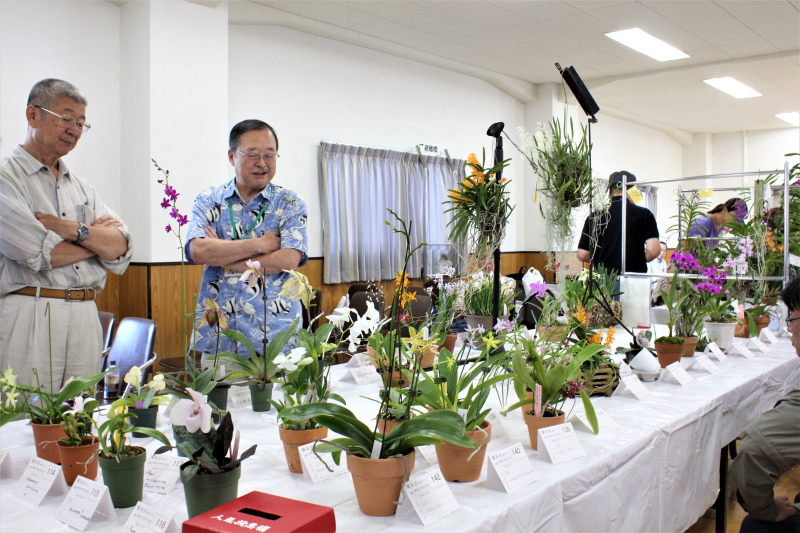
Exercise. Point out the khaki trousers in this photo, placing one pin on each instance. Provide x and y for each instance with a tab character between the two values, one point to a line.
75	330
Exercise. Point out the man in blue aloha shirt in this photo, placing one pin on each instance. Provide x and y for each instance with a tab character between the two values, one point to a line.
247	218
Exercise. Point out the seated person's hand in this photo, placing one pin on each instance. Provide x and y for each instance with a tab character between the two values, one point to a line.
786	509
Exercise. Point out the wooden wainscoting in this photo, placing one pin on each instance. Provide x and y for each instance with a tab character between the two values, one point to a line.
154	291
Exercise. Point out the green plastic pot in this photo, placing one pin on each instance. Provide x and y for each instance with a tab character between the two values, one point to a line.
124	479
260	395
145	418
219	397
208	491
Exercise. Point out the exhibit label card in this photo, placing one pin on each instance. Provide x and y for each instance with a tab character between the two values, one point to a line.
767	335
315	470
678	372
739	347
362	375
429	453
358	359
40	478
431	497
605	423
239	396
760	346
703	361
85	499
632	384
510	468
147	519
499	434
559	443
6	465
161	472
716	351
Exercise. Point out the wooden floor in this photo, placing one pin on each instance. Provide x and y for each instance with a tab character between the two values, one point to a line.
788	485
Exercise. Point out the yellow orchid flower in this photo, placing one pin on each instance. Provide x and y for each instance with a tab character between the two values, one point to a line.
297	288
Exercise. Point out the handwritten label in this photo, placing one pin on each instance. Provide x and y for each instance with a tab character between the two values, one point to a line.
431	497
767	335
499	434
6	465
560	443
39	479
147	519
677	371
510	469
85	499
429	453
605	423
362	375
358	359
760	346
314	469
706	363
740	348
631	383
716	351
161	472
239	396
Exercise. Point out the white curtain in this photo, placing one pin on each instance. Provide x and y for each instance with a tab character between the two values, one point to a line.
650	194
357	185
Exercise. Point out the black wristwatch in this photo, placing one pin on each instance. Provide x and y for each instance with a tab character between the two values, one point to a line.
83	232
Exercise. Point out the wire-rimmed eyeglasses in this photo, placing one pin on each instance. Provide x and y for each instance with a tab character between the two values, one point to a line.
255	156
68	121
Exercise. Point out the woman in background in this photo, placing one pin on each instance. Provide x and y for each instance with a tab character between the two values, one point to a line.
712	223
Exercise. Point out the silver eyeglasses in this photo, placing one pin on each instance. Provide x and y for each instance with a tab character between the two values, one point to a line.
68	121
255	156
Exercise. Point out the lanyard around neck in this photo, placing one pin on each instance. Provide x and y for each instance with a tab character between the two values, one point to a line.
234	233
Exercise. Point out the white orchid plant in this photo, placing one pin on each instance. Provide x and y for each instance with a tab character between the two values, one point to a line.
143	395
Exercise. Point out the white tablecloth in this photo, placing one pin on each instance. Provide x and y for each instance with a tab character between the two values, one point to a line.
658	473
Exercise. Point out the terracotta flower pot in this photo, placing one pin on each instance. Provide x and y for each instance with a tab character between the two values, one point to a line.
75	460
46	436
293	439
761	323
398	379
389	425
668	353
378	482
552	333
449	342
453	459
689	345
534	423
429	356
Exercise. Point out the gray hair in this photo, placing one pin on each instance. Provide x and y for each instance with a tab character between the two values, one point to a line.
46	92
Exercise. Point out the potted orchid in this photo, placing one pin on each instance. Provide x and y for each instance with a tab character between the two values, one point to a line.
445	302
79	447
142	401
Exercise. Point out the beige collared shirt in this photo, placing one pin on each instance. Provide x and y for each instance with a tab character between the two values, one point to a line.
28	187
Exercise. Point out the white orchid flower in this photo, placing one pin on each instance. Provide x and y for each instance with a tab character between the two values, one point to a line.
252	274
134	376
157	383
194	414
290	361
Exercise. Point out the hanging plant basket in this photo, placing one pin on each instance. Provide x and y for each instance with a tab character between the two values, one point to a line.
602	382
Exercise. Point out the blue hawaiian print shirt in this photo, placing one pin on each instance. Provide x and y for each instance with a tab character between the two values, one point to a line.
285	213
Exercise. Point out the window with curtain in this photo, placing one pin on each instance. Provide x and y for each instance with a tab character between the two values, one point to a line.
358	185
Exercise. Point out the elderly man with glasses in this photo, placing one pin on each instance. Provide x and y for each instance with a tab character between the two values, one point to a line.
57	241
247	219
770	448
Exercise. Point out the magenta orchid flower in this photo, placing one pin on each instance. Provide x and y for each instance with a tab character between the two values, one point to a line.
539	289
194	414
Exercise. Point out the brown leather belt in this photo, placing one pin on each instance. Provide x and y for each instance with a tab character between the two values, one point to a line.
69	295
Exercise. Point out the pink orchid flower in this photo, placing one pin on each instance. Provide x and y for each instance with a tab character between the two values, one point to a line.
252	274
194	414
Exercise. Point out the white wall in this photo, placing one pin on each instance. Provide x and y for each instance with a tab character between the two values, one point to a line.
77	42
312	89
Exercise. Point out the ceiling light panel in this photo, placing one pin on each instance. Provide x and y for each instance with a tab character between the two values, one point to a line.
733	87
792	118
646	44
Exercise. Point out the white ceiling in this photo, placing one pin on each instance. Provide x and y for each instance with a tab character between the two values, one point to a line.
514	44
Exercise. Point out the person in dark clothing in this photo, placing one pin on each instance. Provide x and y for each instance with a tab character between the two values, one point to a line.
642	244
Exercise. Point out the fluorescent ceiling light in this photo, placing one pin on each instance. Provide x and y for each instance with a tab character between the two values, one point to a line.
792	118
643	42
734	88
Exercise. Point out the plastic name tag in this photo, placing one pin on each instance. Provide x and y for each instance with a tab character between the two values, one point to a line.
40	479
740	348
431	498
605	423
767	335
510	469
6	465
239	396
147	519
315	470
715	351
362	375
161	472
560	444
677	371
631	383
703	361
86	499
